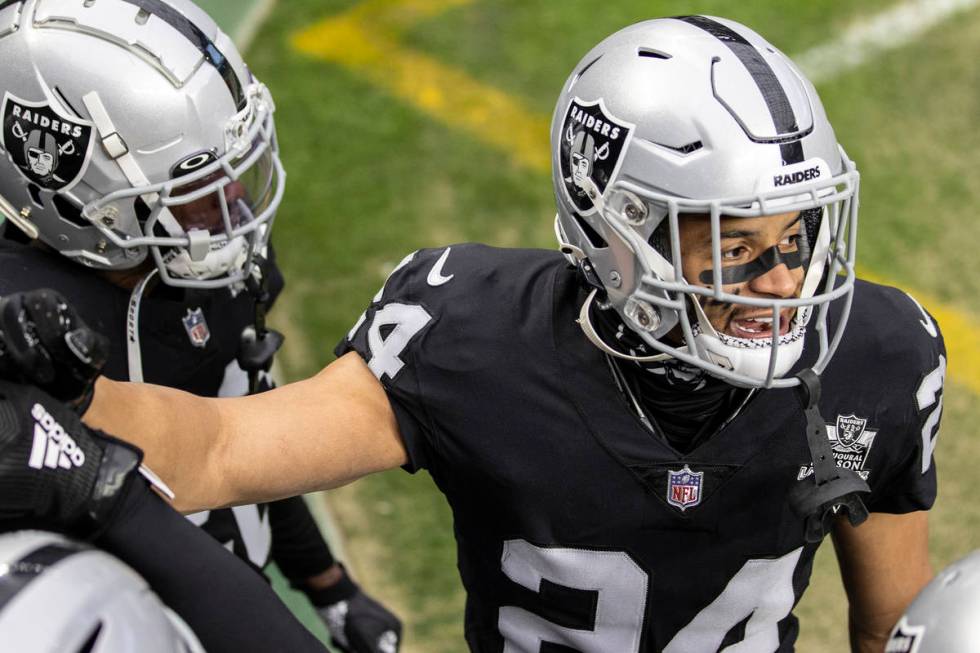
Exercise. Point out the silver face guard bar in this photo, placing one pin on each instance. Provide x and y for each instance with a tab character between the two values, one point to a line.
656	287
253	143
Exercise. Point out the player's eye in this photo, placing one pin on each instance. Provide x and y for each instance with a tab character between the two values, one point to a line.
734	253
789	243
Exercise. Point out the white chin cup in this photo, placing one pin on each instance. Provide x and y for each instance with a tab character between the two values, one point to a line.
751	357
219	261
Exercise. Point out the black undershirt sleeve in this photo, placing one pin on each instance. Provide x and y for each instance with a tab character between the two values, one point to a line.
298	547
228	605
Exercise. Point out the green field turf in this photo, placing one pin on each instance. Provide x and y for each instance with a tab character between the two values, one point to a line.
372	178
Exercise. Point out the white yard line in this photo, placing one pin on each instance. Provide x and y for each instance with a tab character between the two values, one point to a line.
871	36
251	23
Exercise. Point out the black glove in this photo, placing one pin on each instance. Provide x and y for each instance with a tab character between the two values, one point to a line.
55	471
357	623
44	342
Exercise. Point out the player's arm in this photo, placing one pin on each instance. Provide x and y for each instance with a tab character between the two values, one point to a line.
884	563
317	433
55	473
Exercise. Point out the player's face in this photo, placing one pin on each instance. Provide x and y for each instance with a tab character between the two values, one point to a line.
205	213
760	257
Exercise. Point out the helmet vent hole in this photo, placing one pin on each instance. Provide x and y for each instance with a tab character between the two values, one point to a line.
69	212
66	103
591	234
584	68
142	17
35	195
650	53
681	149
660	241
92	640
142	211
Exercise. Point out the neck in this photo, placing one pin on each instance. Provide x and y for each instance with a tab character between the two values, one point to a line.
127	279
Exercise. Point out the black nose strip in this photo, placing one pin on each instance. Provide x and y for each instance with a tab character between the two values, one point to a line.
768	260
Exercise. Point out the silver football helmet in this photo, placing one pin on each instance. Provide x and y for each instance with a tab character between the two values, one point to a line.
697	116
59	596
943	618
134	129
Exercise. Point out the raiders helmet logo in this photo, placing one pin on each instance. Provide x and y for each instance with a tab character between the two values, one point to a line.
49	149
592	146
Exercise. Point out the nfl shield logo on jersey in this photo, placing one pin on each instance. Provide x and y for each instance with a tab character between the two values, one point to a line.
196	327
684	487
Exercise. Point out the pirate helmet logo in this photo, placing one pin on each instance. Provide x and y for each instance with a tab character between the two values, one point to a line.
41	152
592	147
48	147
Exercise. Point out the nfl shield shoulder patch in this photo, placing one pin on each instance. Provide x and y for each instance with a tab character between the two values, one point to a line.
197	327
684	487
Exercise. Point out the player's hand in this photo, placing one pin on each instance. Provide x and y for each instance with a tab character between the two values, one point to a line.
55	471
357	623
44	342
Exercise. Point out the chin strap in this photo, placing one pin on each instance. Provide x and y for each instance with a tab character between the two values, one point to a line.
259	343
135	359
585	322
830	490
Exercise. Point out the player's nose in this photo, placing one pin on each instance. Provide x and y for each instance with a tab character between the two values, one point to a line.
777	282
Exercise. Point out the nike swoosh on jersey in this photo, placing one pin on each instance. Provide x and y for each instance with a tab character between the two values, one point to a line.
436	277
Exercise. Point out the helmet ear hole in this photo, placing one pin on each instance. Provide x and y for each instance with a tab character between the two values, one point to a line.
69	212
35	195
591	234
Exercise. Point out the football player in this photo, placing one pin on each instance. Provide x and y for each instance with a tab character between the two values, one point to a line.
86	600
178	277
943	617
644	438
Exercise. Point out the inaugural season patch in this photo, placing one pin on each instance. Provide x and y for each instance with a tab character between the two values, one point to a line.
850	441
592	146
49	148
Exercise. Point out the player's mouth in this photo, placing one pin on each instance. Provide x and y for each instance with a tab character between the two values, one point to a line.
755	326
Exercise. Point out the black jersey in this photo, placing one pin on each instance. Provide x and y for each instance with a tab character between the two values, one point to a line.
187	339
580	530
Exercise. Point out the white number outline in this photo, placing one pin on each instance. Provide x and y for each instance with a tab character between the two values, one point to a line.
930	388
761	592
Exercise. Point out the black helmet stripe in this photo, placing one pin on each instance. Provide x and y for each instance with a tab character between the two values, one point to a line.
17	575
193	33
772	91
